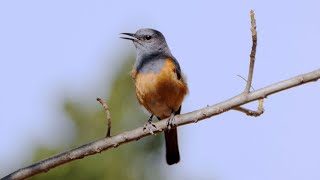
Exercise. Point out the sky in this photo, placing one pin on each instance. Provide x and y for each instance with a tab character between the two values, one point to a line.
50	47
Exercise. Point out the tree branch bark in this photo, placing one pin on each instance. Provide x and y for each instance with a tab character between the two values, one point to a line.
191	117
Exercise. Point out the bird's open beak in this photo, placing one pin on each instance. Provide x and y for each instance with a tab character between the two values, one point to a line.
131	37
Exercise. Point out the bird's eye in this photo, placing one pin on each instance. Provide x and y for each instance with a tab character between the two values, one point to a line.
147	37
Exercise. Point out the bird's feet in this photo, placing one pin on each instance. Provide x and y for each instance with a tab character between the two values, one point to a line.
170	123
148	126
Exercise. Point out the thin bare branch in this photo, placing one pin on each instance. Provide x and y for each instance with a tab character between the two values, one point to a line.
253	51
251	68
106	108
135	134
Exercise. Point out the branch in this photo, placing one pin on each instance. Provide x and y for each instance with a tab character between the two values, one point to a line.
253	51
250	74
106	108
136	134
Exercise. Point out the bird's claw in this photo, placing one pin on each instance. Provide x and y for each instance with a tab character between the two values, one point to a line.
148	126
170	122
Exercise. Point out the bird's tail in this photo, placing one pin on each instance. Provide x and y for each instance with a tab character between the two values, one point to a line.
172	148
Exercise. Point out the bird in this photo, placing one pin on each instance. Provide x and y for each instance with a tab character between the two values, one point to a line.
159	82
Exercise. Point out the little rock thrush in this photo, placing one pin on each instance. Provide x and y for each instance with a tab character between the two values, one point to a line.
160	84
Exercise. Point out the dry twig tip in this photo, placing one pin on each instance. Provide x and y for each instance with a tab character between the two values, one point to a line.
106	108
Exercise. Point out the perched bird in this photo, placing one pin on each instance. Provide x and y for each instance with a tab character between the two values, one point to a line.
159	82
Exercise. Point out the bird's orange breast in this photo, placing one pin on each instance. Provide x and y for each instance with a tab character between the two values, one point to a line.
161	93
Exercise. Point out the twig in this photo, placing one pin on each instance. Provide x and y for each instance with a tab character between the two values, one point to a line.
253	51
245	81
135	134
106	108
251	68
249	112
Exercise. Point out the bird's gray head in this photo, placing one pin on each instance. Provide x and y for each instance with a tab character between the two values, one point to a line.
148	41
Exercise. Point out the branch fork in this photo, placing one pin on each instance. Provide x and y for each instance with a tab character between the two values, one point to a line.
246	91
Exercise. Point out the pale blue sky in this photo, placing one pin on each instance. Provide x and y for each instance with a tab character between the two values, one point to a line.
47	47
